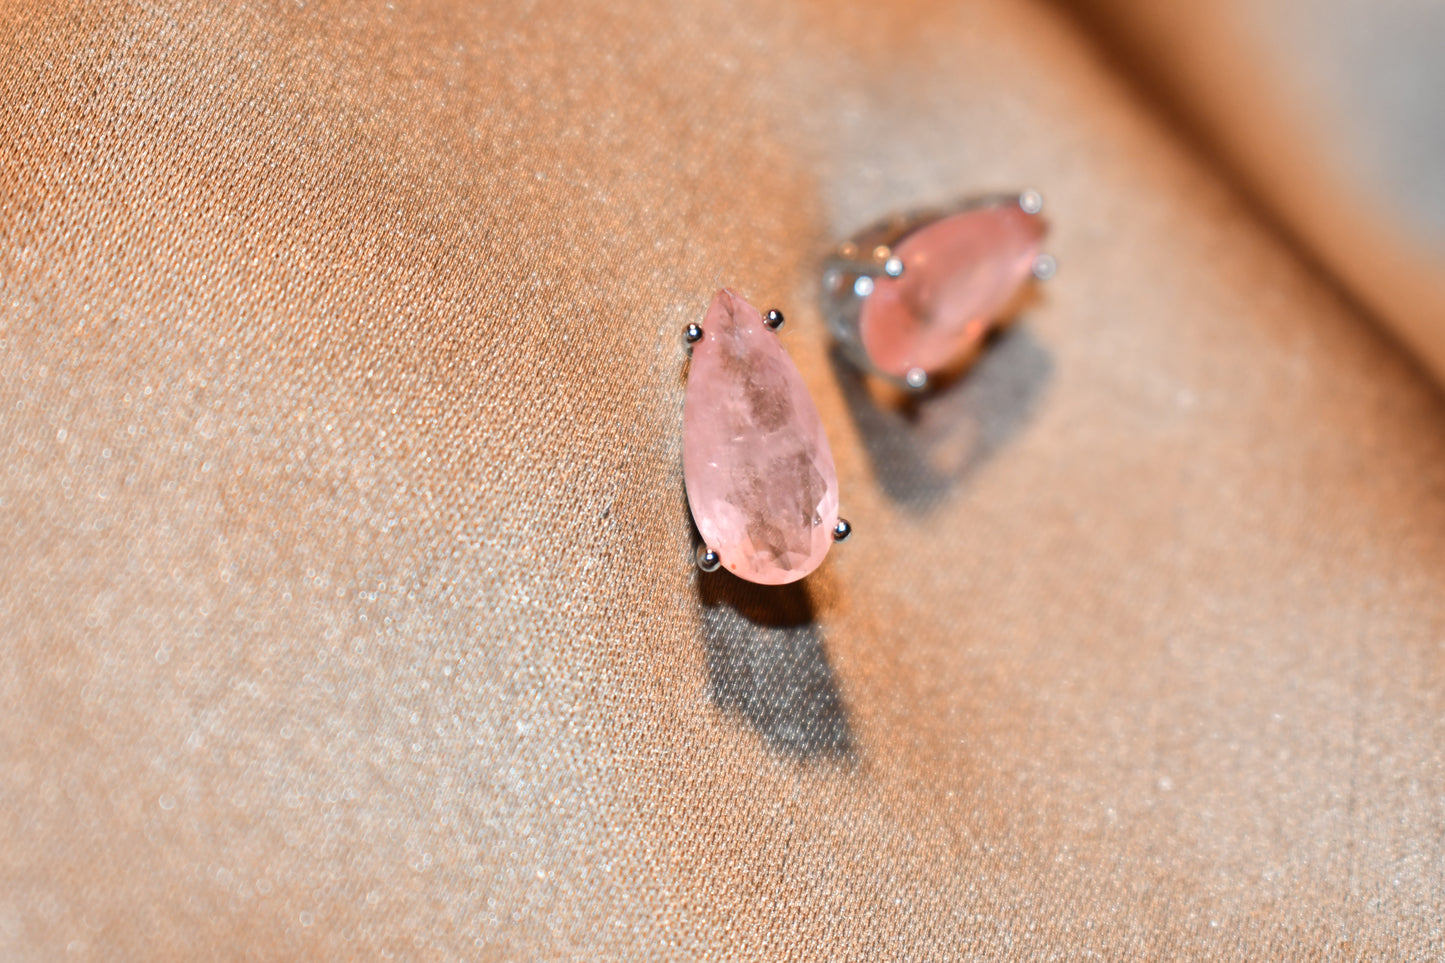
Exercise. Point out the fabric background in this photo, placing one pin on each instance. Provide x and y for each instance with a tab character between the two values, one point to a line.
347	599
1326	113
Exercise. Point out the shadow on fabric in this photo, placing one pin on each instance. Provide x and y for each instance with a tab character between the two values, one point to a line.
766	666
921	448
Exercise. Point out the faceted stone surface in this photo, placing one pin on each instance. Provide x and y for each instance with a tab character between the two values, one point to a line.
760	476
958	273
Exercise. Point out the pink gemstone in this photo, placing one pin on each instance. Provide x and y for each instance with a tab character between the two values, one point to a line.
760	476
958	273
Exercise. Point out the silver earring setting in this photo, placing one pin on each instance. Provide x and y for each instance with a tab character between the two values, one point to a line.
911	297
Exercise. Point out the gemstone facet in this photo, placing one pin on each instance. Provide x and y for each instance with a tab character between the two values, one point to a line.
760	476
959	272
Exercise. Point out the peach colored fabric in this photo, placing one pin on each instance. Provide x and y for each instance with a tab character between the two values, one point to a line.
347	602
1327	112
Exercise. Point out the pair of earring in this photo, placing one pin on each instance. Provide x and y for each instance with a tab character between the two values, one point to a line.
909	298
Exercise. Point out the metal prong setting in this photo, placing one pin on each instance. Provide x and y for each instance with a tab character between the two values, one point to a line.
692	334
707	559
855	268
842	530
773	319
883	263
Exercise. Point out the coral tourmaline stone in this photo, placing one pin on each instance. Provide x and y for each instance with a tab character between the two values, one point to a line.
958	273
760	476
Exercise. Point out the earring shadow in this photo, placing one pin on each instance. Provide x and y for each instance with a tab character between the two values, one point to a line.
922	447
767	666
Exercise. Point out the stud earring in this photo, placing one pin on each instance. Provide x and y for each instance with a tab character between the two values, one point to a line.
760	478
912	296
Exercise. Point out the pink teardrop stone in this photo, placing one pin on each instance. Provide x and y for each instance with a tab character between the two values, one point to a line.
958	273
760	476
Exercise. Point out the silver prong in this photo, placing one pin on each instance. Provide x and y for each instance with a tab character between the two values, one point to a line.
1032	202
1045	267
692	334
773	319
863	286
917	379
842	530
707	559
873	267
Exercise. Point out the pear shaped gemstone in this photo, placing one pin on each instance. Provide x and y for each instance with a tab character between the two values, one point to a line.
959	273
760	477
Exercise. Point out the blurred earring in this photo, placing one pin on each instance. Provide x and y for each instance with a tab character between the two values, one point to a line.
760	477
912	296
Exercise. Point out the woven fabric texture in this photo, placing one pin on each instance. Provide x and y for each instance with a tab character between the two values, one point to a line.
345	569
